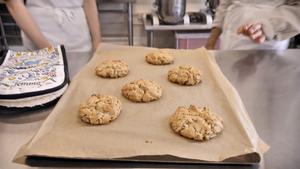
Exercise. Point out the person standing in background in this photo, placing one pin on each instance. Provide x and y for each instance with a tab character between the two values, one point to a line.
44	23
265	24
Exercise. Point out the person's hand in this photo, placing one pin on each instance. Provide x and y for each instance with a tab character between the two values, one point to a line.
253	31
43	43
95	45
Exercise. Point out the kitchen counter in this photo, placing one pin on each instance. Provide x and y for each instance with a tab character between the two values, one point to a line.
267	81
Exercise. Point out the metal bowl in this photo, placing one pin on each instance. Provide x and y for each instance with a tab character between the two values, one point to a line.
171	11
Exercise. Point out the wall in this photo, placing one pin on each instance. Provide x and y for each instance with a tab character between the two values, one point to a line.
114	26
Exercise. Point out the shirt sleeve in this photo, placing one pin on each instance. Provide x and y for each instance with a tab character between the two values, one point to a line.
284	22
220	13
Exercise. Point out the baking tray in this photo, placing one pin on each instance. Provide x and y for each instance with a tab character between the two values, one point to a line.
239	137
165	161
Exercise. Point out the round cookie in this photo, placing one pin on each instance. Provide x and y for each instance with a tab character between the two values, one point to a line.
161	57
100	109
142	91
112	69
185	75
197	123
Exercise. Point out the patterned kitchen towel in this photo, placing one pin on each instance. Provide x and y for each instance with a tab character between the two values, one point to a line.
29	79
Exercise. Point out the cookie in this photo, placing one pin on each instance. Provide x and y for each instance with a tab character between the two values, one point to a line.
142	91
112	69
197	123
161	57
185	75
100	109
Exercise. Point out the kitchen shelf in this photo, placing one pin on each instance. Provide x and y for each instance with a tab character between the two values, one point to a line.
150	28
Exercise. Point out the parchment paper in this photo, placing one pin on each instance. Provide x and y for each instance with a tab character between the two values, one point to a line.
143	128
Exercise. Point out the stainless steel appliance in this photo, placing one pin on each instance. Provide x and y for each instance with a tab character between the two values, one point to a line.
212	5
203	17
171	11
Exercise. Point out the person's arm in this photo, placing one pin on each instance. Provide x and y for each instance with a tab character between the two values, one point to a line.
213	37
24	20
283	24
91	12
217	24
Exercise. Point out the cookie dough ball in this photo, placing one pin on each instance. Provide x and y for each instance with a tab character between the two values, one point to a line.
197	123
100	109
185	75
142	91
112	69
161	57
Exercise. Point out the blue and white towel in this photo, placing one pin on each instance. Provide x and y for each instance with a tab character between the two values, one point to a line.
29	79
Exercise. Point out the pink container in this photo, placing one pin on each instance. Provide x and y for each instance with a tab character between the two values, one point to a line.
192	40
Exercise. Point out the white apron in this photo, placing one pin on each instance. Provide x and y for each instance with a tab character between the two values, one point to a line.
243	13
61	22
